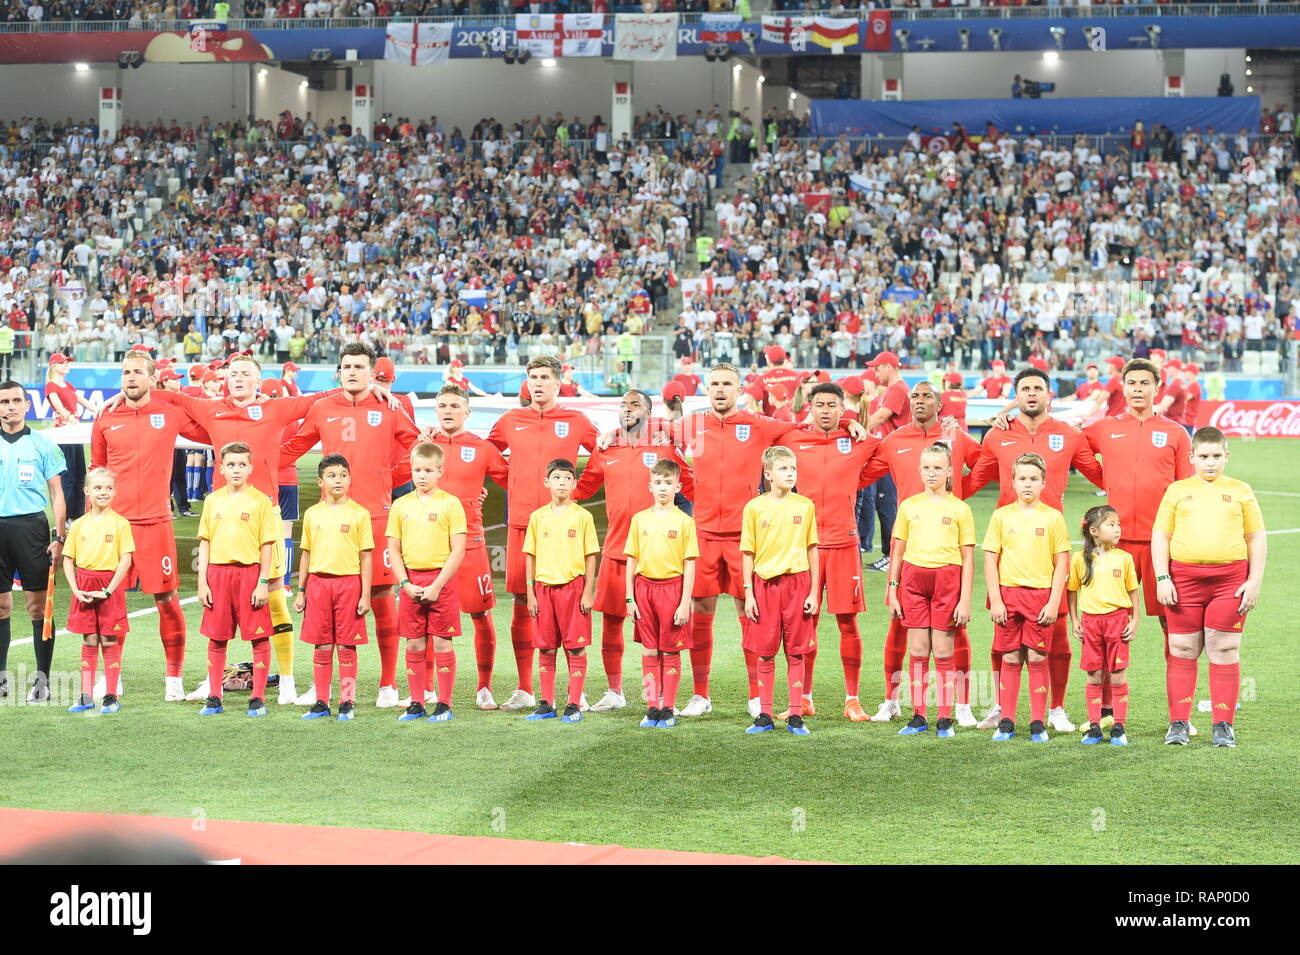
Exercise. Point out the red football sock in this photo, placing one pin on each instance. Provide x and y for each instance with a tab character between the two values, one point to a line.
961	663
1058	669
347	674
322	669
577	676
766	677
1008	689
796	684
261	666
485	648
611	650
672	678
895	651
445	663
1225	688
1093	693
651	675
89	663
171	628
701	652
947	667
216	667
850	651
385	609
1180	686
1039	677
416	676
546	670
522	628
113	667
1121	701
918	673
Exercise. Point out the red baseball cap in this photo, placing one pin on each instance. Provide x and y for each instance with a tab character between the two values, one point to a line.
456	363
953	378
210	377
198	371
169	374
780	391
673	390
870	376
852	385
272	388
290	366
1039	363
1158	351
687	360
1091	364
58	358
384	370
884	358
997	363
1115	361
774	354
1192	369
566	367
1174	363
822	375
144	348
217	363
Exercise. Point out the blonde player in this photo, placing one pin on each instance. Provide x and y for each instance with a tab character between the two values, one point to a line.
932	569
1208	549
427	531
96	560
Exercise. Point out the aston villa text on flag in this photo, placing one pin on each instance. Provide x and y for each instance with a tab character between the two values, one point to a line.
560	34
878	30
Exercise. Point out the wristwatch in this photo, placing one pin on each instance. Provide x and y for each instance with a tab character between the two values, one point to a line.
60	538
1162	577
262	580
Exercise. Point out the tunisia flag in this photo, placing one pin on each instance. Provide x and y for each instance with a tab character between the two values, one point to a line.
878	35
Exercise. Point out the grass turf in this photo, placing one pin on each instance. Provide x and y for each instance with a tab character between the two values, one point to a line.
850	793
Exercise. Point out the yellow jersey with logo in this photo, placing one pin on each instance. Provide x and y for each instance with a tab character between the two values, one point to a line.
1208	520
335	535
778	532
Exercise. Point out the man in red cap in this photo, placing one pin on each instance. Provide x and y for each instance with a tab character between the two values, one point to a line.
1172	396
952	400
686	378
288	379
886	412
996	384
386	375
456	376
780	371
1114	386
569	387
1191	396
852	387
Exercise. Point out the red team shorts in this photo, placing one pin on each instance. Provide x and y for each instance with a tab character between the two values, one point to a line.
474	581
1140	551
657	601
560	620
106	617
516	572
153	565
929	596
1023	604
1207	596
381	571
841	569
718	569
419	618
331	612
611	586
1103	644
232	587
780	617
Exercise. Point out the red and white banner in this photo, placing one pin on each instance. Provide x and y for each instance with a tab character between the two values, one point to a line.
788	31
560	34
418	44
879	37
645	36
721	28
1251	419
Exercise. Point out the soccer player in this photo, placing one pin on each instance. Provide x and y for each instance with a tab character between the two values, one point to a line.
1208	549
623	469
830	465
932	568
534	436
1026	560
1141	453
426	545
899	454
376	439
334	577
661	550
560	548
1101	590
96	560
468	461
130	439
30	469
1034	431
237	533
778	543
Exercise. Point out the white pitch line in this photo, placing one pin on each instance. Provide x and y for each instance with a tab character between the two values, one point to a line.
1279	493
135	613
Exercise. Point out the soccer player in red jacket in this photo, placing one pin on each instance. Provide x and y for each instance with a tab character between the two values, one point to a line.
130	440
468	461
1034	431
376	440
1142	453
534	436
899	456
623	469
830	467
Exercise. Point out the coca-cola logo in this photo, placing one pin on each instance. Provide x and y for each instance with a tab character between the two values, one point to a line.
1257	419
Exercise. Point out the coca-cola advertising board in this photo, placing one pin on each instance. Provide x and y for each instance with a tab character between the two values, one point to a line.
1251	419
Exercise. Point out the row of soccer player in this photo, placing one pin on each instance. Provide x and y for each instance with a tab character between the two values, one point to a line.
1137	441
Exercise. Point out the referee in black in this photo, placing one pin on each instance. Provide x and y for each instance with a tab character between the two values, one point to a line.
30	465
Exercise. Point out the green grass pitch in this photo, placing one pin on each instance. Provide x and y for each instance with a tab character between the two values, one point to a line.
849	793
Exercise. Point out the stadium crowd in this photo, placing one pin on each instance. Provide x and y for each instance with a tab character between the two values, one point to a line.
548	237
